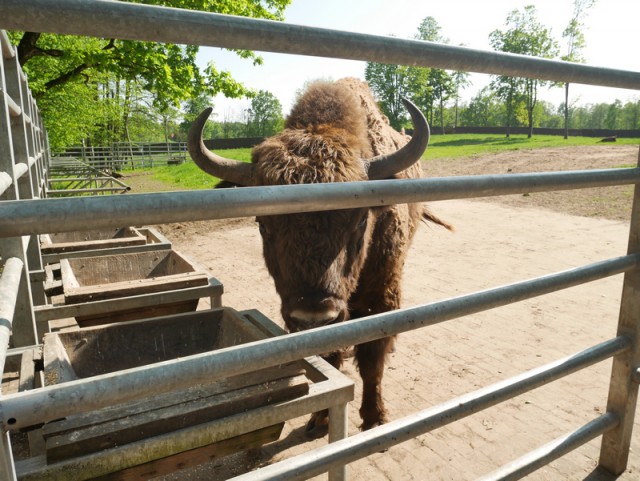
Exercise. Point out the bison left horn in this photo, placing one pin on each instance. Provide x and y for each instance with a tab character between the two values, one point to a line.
231	170
387	165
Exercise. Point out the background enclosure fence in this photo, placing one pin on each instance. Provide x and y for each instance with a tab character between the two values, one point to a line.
25	213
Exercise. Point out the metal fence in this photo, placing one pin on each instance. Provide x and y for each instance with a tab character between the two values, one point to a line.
20	219
130	155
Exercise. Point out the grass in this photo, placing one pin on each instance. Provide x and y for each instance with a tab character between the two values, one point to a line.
454	146
188	176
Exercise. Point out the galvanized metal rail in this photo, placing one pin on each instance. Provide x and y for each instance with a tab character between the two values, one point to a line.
22	217
111	19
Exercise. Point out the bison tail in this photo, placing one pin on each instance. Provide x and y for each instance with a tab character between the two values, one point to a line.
428	216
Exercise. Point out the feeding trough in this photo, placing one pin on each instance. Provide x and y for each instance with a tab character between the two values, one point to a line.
237	412
92	239
101	242
98	278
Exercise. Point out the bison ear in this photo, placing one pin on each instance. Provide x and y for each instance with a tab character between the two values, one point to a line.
230	170
386	166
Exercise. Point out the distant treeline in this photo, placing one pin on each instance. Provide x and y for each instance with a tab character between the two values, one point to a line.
542	131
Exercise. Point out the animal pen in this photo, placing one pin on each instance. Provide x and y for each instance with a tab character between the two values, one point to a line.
25	215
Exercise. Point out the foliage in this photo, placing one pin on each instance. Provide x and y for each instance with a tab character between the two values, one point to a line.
525	36
576	42
265	115
390	83
103	70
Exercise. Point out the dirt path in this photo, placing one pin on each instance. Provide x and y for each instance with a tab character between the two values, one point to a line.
497	242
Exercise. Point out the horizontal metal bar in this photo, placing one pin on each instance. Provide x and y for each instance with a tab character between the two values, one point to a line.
20	169
8	52
5	182
49	312
108	19
363	444
14	108
70	192
9	286
33	407
67	215
544	455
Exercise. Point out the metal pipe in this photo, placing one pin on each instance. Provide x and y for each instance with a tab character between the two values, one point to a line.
109	19
363	444
27	217
5	182
9	286
557	448
8	52
19	170
33	407
14	108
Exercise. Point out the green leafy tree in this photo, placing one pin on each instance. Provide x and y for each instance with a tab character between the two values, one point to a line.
484	110
526	36
60	65
389	83
440	85
265	115
575	44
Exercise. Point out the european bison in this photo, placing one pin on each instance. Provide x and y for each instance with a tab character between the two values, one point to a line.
336	265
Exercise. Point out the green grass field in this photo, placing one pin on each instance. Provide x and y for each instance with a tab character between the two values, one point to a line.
189	176
469	145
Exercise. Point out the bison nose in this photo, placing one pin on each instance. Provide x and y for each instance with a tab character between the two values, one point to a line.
302	319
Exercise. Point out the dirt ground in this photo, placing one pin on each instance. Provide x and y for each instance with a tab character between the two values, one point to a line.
497	241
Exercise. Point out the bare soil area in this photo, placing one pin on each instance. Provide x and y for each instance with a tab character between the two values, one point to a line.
497	241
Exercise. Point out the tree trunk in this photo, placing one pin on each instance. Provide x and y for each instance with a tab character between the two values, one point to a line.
566	110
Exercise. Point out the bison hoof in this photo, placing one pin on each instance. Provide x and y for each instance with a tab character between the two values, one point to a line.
318	426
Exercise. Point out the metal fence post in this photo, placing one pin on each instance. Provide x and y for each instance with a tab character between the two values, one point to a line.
623	390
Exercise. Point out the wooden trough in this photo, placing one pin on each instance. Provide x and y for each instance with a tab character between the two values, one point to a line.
92	279
151	437
101	242
93	239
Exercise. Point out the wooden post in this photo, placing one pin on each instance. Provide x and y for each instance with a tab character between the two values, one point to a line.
623	390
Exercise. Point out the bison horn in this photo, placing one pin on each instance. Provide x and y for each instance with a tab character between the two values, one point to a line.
230	170
387	165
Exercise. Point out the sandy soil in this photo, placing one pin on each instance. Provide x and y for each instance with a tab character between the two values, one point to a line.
497	241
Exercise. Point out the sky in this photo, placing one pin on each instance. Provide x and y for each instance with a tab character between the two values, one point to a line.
610	29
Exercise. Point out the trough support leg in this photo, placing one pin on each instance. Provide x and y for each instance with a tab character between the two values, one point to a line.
338	430
623	390
7	467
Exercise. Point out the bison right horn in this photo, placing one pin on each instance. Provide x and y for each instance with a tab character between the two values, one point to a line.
387	165
230	170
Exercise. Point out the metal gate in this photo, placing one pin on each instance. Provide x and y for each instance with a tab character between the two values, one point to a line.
24	216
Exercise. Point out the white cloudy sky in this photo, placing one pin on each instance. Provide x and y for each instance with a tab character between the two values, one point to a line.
611	31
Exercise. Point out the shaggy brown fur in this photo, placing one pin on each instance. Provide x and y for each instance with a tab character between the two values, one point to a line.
333	266
349	262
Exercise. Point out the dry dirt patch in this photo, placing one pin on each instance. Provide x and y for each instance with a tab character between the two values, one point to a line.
497	241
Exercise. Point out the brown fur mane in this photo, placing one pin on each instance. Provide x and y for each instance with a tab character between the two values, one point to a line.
325	140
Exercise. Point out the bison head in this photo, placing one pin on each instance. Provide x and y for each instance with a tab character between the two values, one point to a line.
315	259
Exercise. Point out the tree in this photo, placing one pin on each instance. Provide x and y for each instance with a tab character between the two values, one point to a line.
484	110
526	36
440	85
61	65
575	44
460	81
389	83
265	115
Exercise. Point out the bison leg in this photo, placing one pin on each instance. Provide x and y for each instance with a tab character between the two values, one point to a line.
370	358
318	425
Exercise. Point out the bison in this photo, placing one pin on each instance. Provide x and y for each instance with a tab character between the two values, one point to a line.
337	265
